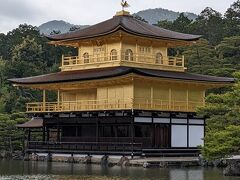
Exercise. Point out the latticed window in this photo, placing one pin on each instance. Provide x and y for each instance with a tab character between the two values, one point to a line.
86	58
113	55
159	58
128	55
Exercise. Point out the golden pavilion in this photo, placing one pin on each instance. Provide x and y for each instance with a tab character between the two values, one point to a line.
122	93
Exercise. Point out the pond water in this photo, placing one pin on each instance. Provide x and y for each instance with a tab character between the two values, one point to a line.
12	169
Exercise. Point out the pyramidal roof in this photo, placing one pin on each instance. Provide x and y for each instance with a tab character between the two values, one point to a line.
127	23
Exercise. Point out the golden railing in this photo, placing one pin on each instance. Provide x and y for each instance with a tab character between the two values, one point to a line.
96	105
147	59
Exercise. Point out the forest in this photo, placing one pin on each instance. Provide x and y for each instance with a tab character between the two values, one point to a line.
25	52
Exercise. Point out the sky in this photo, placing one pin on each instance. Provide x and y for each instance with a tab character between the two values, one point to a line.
88	12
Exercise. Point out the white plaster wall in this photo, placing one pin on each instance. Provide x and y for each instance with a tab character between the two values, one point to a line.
179	136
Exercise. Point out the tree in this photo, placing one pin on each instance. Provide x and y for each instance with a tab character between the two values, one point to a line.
27	59
229	53
222	130
210	24
166	24
11	137
182	24
232	19
201	57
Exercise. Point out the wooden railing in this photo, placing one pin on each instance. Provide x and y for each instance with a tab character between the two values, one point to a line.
136	103
75	62
85	147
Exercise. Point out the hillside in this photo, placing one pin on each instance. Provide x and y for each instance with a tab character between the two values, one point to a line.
150	15
56	25
159	14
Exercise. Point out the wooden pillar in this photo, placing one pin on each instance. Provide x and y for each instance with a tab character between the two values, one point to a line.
44	100
97	130
132	130
47	129
187	131
204	94
170	132
151	98
183	63
187	99
43	133
62	60
121	50
58	132
58	100
153	133
169	98
29	135
136	51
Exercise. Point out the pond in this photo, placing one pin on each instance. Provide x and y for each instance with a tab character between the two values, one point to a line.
13	169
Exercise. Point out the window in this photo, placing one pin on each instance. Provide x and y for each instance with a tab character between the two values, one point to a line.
123	131
86	58
128	55
142	130
106	131
87	131
144	50
159	58
69	131
113	55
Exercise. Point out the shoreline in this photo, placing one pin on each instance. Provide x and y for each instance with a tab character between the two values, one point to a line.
137	161
231	165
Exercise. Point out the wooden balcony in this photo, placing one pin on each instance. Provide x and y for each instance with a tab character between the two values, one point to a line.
136	60
126	104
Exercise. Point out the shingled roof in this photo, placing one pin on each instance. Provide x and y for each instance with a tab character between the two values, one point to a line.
81	75
126	23
33	123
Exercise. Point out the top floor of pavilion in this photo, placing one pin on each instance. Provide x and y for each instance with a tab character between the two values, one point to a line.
123	41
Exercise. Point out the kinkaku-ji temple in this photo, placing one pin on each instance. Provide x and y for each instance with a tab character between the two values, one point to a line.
122	94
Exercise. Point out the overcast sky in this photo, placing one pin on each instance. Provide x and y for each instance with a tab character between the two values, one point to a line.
36	12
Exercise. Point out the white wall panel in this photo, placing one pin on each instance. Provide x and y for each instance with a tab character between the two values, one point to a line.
196	121
196	134
161	120
179	136
182	120
142	119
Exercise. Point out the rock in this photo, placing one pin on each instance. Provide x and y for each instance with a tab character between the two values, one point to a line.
5	154
71	159
124	161
17	155
26	157
203	162
220	163
233	168
104	160
146	165
48	158
87	160
34	157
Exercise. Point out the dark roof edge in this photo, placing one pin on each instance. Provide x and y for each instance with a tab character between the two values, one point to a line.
125	30
125	72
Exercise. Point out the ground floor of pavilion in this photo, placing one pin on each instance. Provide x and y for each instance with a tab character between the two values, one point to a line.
115	132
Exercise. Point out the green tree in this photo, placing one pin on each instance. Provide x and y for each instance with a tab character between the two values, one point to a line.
200	57
210	24
223	125
232	19
182	24
11	137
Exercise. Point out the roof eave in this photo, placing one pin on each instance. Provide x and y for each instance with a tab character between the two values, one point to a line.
118	28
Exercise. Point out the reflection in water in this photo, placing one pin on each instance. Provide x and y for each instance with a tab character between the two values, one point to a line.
77	170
